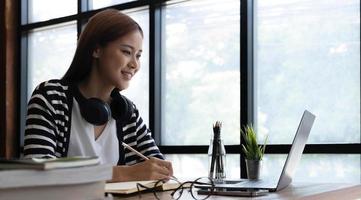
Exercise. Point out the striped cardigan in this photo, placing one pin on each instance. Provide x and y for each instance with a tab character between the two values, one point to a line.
48	123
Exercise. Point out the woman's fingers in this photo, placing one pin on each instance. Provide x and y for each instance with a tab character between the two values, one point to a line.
162	167
152	169
169	167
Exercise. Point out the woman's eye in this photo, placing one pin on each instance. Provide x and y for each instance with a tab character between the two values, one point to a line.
138	56
126	52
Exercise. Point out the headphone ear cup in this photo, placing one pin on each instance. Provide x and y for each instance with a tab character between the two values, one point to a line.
121	107
95	111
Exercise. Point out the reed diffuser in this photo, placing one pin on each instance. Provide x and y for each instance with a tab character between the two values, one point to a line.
217	154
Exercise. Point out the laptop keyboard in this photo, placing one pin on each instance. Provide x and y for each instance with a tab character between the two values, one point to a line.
247	184
257	184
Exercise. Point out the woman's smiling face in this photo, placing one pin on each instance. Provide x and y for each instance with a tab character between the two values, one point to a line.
118	61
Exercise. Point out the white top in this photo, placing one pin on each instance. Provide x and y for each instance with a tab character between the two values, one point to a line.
83	143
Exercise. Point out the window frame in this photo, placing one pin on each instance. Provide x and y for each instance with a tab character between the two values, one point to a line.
155	62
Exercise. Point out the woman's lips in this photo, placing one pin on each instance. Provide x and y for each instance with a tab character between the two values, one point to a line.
127	75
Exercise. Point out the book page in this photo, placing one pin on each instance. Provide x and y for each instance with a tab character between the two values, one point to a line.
127	187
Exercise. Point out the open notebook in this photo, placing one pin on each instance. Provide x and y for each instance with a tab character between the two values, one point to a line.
131	186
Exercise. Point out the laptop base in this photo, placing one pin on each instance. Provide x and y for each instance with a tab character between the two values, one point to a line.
238	193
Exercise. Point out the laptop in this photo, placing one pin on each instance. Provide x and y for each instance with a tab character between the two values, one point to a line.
293	158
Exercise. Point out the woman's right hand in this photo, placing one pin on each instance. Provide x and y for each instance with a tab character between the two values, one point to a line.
152	169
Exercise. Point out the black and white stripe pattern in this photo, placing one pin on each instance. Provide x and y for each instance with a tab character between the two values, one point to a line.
48	123
139	137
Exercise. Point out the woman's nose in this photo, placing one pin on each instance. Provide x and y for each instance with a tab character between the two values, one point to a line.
133	63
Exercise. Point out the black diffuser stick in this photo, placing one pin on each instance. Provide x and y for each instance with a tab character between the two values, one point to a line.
216	148
213	153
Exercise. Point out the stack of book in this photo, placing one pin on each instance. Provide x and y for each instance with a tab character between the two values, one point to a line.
60	178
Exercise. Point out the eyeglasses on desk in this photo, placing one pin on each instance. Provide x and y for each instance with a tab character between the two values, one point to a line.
187	186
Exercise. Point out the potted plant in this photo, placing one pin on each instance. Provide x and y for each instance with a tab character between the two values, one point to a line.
252	151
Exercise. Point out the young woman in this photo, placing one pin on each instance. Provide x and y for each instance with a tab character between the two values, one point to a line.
83	114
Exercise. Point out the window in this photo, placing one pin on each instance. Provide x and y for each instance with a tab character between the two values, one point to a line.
200	165
96	4
310	62
41	10
48	48
138	90
50	51
200	71
329	168
235	61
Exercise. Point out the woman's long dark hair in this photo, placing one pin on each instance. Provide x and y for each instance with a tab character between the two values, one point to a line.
104	27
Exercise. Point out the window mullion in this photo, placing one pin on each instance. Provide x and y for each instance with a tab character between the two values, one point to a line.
155	70
23	56
247	75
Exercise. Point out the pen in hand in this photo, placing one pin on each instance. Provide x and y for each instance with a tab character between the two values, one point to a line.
139	154
135	151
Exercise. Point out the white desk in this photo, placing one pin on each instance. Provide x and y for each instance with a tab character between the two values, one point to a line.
309	191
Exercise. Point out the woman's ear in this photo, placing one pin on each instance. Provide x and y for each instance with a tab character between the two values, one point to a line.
97	52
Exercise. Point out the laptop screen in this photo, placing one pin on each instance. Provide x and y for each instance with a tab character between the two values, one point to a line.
298	144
